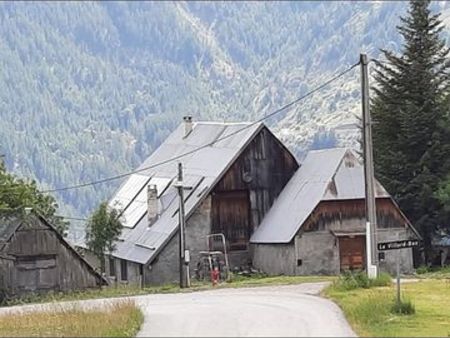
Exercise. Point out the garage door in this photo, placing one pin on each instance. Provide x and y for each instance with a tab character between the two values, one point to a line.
352	252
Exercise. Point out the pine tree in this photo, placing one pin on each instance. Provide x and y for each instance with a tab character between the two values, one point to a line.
410	131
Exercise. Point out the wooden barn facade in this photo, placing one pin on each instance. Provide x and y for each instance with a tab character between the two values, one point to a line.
35	258
317	226
232	183
248	189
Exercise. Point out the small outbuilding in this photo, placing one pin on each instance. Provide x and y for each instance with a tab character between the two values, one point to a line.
35	258
317	223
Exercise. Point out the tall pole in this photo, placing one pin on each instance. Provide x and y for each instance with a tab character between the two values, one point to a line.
371	215
182	225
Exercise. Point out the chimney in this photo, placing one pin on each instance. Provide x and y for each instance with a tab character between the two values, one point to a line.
152	203
187	125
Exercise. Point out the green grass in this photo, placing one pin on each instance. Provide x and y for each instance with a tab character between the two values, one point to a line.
370	311
262	280
124	290
433	273
355	280
105	292
119	320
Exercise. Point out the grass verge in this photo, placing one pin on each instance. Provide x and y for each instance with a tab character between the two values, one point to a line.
124	290
370	311
119	320
433	273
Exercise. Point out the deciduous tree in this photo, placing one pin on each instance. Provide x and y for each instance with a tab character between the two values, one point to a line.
103	230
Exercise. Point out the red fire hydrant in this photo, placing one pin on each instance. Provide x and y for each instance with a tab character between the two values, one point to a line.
215	274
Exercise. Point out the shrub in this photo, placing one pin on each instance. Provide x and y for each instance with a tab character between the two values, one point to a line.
405	307
354	280
383	279
349	281
422	269
362	280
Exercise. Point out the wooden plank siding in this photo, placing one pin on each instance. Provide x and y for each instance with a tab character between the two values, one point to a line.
37	259
248	189
352	253
334	215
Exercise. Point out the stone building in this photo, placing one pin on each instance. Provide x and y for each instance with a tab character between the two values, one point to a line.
233	181
317	224
241	181
35	258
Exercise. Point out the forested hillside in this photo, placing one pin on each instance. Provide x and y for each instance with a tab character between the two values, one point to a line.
89	89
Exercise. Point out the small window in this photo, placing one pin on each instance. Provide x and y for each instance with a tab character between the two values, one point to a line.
112	267
123	270
299	262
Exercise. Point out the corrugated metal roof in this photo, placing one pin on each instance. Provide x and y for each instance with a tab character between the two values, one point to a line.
202	169
329	174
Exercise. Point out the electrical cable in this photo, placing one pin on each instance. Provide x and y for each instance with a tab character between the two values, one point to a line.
279	110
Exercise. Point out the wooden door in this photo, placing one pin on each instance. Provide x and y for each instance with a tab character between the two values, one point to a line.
231	216
35	273
352	251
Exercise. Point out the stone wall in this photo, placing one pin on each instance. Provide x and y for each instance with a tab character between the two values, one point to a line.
274	259
165	268
317	253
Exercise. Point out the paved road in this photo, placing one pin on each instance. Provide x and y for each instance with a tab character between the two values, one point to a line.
283	311
278	311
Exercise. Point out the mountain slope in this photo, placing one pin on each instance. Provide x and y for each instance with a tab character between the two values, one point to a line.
89	89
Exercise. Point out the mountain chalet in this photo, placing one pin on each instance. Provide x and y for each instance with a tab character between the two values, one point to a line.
276	215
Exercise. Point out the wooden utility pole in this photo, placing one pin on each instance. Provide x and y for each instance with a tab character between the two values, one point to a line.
369	177
181	220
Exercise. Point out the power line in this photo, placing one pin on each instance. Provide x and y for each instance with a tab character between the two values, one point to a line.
72	218
279	110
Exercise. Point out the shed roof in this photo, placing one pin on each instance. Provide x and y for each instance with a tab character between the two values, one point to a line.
140	242
329	174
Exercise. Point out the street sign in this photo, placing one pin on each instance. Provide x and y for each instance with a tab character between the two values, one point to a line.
402	244
406	243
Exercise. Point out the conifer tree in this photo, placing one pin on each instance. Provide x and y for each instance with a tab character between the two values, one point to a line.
411	130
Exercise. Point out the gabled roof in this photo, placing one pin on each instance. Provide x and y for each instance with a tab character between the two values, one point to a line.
329	174
11	221
202	169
